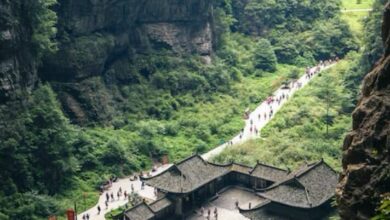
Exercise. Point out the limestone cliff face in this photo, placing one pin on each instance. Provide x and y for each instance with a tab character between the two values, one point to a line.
366	156
17	65
99	39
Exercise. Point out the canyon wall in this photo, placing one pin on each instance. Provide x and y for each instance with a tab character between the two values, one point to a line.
98	42
366	150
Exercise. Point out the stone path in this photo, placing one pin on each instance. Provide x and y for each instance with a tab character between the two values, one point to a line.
225	203
148	192
257	122
125	184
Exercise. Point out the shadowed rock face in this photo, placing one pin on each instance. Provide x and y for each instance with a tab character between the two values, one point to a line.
98	40
366	155
17	66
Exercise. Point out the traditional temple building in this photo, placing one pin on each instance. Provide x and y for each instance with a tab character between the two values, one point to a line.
185	186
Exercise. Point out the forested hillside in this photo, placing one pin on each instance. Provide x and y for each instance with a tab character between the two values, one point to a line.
299	131
90	90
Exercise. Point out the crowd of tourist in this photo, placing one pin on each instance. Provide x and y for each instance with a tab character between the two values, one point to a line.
275	100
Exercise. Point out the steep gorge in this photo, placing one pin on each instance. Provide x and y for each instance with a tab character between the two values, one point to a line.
365	179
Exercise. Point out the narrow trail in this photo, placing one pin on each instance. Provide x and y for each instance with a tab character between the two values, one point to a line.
356	10
246	134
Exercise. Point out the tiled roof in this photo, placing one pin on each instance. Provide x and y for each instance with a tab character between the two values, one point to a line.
240	168
140	212
160	204
310	186
261	212
187	175
269	172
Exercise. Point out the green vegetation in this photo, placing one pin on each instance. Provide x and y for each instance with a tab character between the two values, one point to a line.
298	131
383	212
176	105
43	21
36	151
357	4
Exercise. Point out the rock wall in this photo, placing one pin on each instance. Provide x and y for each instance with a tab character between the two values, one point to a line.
99	38
366	156
18	73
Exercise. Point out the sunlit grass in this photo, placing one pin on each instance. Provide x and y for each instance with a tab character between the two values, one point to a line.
352	4
297	133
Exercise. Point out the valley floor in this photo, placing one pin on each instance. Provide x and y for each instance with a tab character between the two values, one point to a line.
252	123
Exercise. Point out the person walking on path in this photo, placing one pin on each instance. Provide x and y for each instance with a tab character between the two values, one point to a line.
98	208
112	196
106	203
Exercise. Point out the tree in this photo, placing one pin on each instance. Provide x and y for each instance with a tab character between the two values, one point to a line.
264	56
43	22
37	146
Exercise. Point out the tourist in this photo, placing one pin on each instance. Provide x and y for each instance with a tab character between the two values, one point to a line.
251	122
98	208
259	116
120	189
107	197
125	195
84	217
155	192
112	196
132	188
87	216
202	211
142	185
208	213
118	194
250	205
106	204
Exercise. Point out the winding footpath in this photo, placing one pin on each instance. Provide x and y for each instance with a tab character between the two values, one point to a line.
248	132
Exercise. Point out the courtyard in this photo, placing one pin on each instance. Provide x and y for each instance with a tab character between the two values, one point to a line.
226	204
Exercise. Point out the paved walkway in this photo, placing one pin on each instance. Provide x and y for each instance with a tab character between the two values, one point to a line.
148	192
125	184
261	116
225	204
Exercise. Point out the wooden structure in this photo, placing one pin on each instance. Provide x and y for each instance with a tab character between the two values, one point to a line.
189	183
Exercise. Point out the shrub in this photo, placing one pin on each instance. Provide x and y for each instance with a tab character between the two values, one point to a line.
264	56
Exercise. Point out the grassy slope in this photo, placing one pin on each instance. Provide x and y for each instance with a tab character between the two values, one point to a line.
297	132
352	4
355	19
